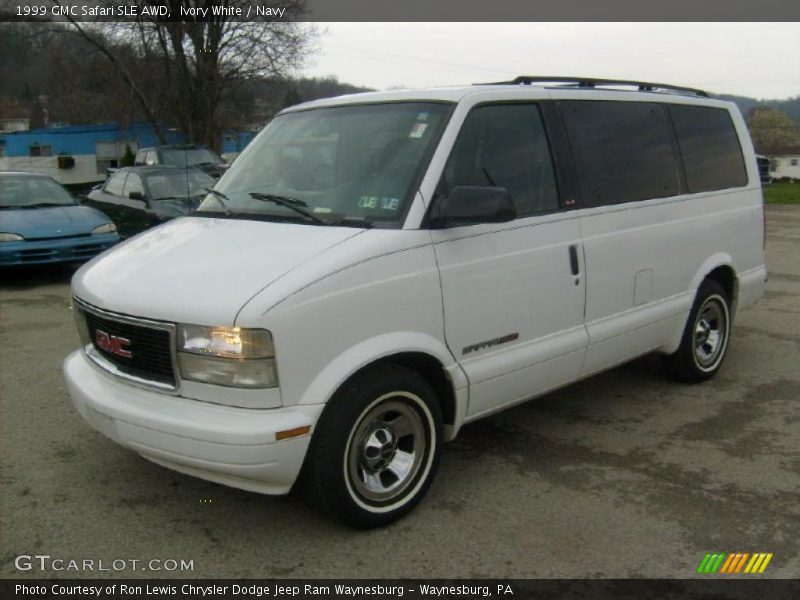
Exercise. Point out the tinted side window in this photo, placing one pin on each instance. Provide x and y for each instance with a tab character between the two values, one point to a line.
505	145
623	151
115	184
710	148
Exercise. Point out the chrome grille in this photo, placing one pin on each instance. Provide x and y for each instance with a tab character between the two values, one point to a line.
149	344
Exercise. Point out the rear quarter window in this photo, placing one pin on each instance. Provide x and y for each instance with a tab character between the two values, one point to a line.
115	184
710	148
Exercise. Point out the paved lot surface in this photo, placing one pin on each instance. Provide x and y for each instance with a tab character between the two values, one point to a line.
626	474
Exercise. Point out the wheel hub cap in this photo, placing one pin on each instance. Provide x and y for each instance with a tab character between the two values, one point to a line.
387	450
379	449
710	330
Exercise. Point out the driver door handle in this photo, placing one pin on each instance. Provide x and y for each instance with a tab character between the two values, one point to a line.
573	260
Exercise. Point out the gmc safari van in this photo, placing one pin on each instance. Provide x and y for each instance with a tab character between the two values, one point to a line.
377	270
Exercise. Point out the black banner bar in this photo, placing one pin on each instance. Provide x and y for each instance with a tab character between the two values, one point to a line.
734	588
403	11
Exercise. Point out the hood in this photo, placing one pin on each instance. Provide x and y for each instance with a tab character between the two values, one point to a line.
199	270
58	221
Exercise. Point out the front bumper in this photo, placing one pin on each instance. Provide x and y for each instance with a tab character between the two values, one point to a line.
66	250
228	445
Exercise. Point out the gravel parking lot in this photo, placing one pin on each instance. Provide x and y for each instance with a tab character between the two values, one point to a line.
626	474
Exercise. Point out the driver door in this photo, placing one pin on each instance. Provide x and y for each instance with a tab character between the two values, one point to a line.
513	292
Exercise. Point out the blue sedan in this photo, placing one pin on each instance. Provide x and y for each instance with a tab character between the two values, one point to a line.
41	223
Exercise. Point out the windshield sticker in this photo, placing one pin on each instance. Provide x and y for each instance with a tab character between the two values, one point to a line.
323	210
417	130
368	202
390	203
423	116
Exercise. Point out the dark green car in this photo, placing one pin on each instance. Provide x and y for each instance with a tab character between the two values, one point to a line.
137	198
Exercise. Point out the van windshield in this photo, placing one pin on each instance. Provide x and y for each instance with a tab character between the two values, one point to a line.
348	165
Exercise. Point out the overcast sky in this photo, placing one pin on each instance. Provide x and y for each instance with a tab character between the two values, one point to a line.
760	60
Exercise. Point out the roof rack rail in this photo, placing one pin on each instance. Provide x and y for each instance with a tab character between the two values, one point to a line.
588	82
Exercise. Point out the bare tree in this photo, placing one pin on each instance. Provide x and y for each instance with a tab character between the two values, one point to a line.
186	69
34	58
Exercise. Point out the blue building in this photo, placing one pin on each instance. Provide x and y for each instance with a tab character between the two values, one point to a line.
80	154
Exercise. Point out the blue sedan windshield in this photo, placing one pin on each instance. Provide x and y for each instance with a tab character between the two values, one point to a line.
26	191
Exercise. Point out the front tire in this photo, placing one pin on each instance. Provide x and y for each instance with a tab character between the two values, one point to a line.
376	447
705	337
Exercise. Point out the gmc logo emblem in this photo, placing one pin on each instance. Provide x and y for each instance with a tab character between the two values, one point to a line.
112	344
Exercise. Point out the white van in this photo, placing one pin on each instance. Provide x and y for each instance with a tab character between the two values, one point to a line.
377	270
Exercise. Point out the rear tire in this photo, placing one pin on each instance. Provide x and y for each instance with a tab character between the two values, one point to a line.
705	337
376	448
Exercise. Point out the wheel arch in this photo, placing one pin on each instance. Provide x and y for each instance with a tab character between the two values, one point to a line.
719	267
433	372
425	356
684	361
725	276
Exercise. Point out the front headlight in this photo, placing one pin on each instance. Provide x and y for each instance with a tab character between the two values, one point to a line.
229	356
107	228
10	237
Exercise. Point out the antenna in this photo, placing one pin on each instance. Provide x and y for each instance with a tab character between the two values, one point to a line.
186	170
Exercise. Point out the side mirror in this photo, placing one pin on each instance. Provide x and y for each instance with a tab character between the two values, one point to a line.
470	205
136	196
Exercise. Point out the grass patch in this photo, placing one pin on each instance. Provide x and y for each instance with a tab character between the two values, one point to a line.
782	193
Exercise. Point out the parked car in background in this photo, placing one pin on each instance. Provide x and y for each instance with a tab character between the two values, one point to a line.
137	198
40	222
763	169
191	155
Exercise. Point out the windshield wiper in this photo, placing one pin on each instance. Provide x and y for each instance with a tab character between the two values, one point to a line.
223	199
294	204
